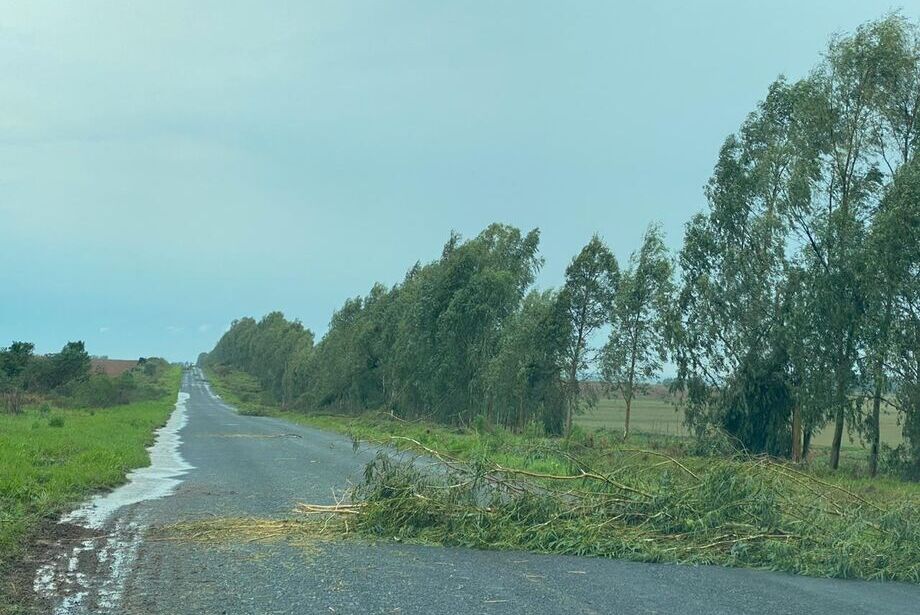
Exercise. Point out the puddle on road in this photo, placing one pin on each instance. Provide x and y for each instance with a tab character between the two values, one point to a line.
90	577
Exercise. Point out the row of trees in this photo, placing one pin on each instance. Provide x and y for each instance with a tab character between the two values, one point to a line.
466	335
794	302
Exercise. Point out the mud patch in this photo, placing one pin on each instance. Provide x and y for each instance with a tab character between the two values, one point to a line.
42	547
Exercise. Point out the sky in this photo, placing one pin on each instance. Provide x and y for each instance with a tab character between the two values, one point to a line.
166	167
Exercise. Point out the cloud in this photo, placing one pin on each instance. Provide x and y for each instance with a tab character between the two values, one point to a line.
204	328
174	329
104	329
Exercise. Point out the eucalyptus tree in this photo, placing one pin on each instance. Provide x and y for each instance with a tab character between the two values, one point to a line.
233	347
888	251
637	346
587	299
896	251
524	375
728	328
296	379
335	365
851	81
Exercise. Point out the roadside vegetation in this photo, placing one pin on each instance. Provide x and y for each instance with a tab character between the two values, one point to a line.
791	310
57	447
652	498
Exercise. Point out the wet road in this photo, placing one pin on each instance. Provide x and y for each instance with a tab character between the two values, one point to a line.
261	467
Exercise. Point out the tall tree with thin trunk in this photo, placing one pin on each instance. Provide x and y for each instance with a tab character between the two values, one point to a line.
586	299
896	317
636	348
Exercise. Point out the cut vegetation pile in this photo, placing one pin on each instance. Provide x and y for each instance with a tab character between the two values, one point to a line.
753	512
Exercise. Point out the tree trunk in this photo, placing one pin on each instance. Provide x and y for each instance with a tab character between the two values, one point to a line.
842	368
796	434
838	438
573	398
806	445
875	428
520	421
628	408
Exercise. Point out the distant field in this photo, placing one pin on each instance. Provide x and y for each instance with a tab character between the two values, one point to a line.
112	367
656	414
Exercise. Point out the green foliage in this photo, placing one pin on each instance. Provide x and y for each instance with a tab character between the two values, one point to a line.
896	237
796	301
21	369
65	379
524	375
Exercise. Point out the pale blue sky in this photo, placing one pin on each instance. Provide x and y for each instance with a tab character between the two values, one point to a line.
168	166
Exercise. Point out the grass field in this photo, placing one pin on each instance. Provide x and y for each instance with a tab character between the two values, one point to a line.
50	459
656	414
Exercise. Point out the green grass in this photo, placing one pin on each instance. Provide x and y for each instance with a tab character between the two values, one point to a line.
52	459
657	414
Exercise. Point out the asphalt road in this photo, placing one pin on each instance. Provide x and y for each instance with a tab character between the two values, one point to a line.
261	467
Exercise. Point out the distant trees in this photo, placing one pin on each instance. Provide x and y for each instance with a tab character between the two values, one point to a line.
64	376
23	370
265	350
637	346
431	346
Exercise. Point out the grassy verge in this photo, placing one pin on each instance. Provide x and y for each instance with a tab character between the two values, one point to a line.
241	390
652	499
51	459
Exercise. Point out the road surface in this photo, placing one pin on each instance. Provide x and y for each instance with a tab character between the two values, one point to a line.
231	465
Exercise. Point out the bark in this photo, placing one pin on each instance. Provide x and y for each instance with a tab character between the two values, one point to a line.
628	407
841	404
838	438
796	434
875	428
573	399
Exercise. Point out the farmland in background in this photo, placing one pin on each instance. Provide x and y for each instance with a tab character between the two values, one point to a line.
657	413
